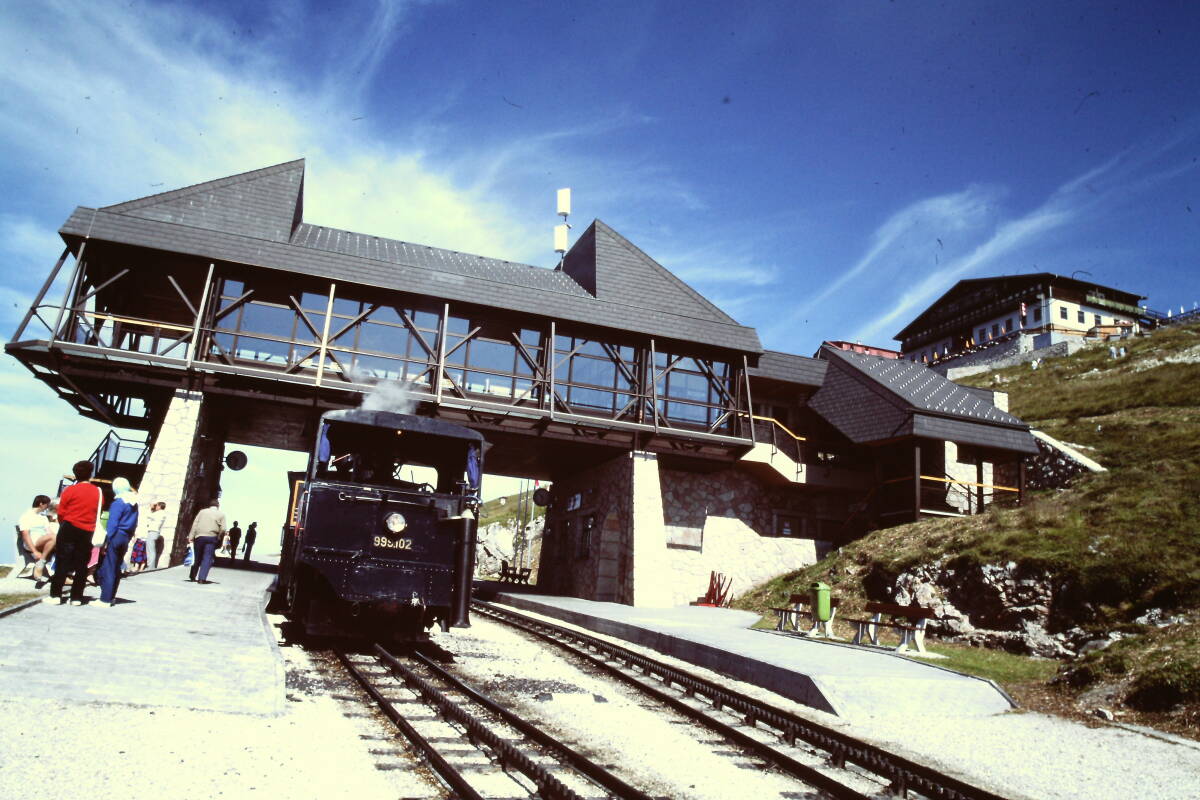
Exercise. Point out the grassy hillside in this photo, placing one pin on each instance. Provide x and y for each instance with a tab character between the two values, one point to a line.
1119	544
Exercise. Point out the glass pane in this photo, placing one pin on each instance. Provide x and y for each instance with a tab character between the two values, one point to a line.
225	340
482	383
232	288
312	301
591	348
376	367
418	373
263	350
591	398
563	344
491	355
458	324
522	388
686	412
346	307
459	356
688	364
386	314
268	319
593	371
382	338
532	338
523	365
427	320
688	386
626	352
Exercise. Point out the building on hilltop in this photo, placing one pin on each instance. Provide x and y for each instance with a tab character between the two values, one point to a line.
986	312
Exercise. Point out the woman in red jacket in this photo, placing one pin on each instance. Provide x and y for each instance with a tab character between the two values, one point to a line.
78	510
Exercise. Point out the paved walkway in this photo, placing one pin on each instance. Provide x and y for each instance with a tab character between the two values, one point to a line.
166	642
853	682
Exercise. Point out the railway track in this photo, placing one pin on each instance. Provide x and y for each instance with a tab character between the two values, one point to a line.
478	748
814	754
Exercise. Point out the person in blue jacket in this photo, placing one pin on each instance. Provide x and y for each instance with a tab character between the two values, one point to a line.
122	522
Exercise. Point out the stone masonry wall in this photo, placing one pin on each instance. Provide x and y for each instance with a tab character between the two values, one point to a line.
167	471
183	471
724	522
657	534
606	571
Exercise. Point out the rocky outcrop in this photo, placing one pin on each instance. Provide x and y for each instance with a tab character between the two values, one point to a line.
993	605
496	542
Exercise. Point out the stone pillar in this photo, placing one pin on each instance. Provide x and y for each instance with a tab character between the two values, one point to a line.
183	471
649	533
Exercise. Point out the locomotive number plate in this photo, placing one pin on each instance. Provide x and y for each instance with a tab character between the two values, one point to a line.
395	544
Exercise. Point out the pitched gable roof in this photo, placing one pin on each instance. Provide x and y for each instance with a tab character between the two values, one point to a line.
255	219
903	399
614	269
263	204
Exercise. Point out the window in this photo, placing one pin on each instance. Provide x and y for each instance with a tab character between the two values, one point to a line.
995	330
583	547
1008	325
982	334
1062	311
1081	316
789	524
1097	318
1037	315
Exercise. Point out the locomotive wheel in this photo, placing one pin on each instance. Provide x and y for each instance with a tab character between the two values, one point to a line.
299	598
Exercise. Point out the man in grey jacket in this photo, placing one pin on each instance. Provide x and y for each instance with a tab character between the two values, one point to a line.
206	533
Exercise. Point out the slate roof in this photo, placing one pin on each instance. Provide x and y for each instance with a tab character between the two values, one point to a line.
902	398
614	269
790	368
256	218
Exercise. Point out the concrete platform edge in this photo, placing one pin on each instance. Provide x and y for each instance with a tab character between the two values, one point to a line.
800	688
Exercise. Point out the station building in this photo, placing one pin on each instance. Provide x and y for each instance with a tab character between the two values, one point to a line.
677	445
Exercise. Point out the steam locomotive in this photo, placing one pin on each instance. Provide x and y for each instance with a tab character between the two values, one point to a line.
380	540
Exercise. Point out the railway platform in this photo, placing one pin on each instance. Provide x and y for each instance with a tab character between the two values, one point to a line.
178	691
853	682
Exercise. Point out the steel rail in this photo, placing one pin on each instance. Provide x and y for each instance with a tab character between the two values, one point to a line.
478	731
572	757
441	766
902	774
804	772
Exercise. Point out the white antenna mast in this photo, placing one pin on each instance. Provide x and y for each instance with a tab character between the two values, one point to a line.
560	230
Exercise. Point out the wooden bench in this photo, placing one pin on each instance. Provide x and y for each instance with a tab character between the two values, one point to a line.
916	614
798	604
510	574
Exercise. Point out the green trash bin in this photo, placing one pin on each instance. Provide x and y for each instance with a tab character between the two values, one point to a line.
820	601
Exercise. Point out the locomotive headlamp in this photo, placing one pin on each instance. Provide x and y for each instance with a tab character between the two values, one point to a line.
395	522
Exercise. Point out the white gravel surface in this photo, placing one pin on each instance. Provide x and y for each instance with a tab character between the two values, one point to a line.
1016	754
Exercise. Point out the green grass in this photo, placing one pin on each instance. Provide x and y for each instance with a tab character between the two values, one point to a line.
504	509
15	598
1004	668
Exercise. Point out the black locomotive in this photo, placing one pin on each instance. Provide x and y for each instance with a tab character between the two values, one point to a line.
381	536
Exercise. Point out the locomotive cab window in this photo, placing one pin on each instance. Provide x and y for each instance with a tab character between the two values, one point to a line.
408	460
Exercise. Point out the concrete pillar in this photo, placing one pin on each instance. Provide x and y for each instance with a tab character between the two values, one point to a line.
650	562
183	471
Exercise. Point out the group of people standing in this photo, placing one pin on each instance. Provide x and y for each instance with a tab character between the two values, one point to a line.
79	514
84	537
76	528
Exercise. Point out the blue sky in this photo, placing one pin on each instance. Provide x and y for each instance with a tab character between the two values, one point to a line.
819	170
